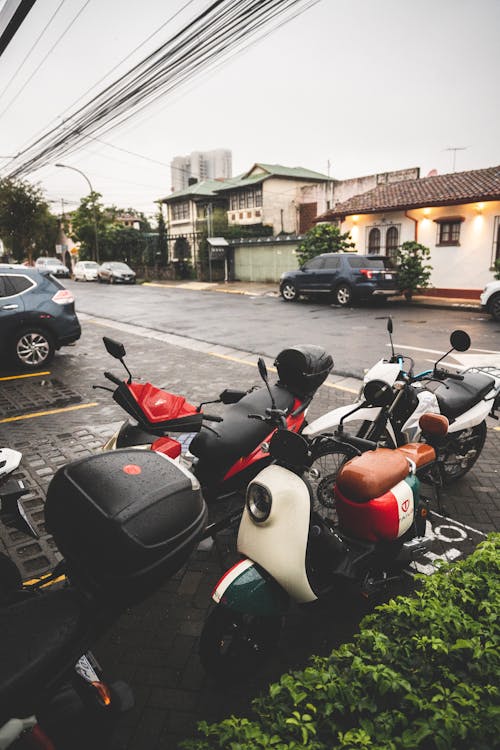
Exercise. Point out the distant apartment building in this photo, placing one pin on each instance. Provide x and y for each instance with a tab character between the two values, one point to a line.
200	165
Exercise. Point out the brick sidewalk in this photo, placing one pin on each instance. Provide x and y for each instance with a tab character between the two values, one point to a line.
154	645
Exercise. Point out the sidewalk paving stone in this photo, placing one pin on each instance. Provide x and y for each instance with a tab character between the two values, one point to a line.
154	645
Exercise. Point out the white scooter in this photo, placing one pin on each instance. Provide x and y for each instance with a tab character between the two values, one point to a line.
465	397
292	553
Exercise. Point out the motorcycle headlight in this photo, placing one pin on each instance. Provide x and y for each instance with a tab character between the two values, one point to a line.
258	502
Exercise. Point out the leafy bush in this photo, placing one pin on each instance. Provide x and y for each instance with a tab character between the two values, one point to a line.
497	269
424	672
413	272
323	238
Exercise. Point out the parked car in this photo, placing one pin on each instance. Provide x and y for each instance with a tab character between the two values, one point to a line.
85	270
114	272
346	277
490	299
53	265
37	316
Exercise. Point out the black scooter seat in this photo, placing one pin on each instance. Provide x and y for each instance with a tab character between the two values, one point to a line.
220	445
457	396
37	638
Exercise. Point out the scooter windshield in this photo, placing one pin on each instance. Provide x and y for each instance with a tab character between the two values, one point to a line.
158	405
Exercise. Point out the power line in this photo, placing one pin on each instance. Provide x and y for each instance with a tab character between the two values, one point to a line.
31	49
9	105
214	33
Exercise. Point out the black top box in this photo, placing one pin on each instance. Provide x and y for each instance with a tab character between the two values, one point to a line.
303	368
125	520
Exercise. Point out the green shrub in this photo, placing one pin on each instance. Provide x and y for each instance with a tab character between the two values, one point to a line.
497	269
413	271
323	238
424	672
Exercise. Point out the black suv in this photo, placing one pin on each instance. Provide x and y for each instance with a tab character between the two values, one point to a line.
37	316
347	277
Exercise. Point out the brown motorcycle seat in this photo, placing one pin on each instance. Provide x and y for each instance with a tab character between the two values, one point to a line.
420	453
372	474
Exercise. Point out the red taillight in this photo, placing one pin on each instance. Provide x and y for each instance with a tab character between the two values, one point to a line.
366	272
63	297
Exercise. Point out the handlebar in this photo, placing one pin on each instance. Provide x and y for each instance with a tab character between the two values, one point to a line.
113	378
357	442
452	375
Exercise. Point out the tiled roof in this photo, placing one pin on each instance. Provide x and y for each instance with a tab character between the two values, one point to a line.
197	189
439	190
272	170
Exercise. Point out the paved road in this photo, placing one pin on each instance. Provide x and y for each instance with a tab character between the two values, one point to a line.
356	337
154	646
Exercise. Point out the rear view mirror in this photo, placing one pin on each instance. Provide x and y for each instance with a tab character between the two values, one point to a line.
460	341
115	348
262	369
231	396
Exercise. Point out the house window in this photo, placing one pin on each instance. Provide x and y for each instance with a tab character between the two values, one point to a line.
180	211
496	241
241	200
257	213
449	230
258	196
391	242
374	241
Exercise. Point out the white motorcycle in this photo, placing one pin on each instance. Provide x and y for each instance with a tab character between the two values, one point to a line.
466	397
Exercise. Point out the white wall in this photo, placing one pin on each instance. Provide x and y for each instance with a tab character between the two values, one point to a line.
463	266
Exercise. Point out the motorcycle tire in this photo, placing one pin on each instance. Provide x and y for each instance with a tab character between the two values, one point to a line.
327	460
461	452
234	645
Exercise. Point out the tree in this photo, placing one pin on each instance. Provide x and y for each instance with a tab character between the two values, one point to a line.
26	224
84	226
413	272
323	238
497	269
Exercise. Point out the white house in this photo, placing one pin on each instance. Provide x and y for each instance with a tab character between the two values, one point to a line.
456	215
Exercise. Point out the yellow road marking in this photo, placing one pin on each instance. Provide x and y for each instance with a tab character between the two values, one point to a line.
29	375
46	413
34	581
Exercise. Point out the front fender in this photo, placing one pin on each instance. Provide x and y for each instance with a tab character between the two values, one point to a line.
248	589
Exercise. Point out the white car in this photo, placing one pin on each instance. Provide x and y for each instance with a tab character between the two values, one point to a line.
85	270
490	299
53	265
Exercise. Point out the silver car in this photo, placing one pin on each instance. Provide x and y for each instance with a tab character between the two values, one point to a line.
53	265
85	270
114	272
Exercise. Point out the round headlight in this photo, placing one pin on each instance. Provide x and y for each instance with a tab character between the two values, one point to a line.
259	502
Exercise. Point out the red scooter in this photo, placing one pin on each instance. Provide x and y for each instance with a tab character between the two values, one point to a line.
233	448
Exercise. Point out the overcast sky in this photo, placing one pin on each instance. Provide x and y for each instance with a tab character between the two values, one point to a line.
367	85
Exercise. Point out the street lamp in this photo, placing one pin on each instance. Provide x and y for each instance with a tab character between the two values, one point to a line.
66	166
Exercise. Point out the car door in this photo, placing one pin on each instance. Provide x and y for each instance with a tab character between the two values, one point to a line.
11	307
328	273
309	279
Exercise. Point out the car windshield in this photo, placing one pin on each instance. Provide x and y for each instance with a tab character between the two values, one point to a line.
119	266
91	264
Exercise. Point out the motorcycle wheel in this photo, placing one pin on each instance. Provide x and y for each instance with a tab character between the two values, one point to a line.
327	460
461	452
234	645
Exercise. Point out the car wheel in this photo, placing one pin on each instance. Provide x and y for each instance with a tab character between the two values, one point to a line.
76	278
342	295
289	291
494	307
33	348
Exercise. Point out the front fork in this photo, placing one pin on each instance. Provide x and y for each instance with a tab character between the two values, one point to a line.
248	589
